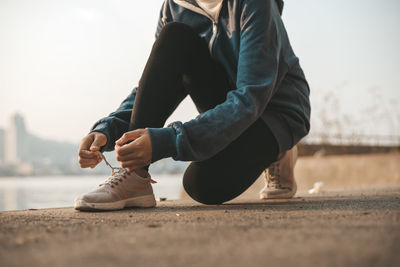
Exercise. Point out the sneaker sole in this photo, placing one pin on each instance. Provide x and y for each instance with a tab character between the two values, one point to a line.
138	202
280	196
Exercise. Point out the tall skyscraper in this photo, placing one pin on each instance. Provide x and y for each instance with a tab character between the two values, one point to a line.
22	137
2	142
16	140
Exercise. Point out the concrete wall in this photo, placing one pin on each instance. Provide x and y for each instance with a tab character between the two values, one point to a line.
329	149
339	172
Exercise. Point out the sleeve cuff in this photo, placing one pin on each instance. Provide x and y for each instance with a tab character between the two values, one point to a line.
163	143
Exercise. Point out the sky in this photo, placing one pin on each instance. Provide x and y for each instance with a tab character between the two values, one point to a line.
65	64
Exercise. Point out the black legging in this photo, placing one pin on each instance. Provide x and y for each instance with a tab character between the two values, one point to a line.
180	64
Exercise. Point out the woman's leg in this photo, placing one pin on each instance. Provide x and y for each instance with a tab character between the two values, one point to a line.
179	57
180	64
230	172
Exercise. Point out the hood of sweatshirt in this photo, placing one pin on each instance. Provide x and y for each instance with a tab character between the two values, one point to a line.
280	3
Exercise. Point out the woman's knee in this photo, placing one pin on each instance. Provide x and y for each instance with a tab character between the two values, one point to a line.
176	34
202	194
202	186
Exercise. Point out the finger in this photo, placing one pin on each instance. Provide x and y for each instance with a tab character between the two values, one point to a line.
128	157
131	148
99	141
85	163
86	154
94	165
86	142
132	155
88	165
129	136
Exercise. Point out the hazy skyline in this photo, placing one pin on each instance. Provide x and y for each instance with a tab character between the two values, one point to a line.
65	64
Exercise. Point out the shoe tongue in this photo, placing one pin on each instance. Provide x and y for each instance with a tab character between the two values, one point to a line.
120	171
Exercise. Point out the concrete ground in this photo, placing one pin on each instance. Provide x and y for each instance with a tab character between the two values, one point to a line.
342	228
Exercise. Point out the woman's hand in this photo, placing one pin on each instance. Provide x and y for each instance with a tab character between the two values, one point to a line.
88	153
136	154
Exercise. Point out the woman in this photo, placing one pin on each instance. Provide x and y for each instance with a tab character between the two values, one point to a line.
235	61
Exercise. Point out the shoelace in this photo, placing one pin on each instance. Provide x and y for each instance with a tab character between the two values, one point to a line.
273	175
117	174
118	169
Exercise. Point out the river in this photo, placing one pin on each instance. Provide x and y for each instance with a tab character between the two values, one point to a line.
37	192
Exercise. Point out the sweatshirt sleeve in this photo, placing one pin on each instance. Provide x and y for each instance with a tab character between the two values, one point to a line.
257	73
116	123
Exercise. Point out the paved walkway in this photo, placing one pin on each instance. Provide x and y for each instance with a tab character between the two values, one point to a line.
339	229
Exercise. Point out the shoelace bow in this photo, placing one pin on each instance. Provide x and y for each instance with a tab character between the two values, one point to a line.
118	174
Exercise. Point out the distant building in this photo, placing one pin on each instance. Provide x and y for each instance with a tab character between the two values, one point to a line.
2	142
16	140
10	151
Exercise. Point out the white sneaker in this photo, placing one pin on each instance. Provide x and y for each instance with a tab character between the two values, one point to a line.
279	177
122	189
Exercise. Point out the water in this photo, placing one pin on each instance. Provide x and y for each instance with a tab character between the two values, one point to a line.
18	193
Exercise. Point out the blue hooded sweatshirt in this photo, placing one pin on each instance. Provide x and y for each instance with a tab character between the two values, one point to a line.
249	39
